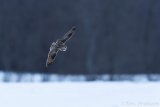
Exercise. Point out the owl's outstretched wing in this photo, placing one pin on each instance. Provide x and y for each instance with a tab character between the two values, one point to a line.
68	35
51	56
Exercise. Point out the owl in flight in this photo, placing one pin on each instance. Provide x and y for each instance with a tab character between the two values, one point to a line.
59	45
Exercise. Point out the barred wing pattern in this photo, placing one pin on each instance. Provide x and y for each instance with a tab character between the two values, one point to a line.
68	35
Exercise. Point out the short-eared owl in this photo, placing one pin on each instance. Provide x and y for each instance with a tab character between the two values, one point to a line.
59	45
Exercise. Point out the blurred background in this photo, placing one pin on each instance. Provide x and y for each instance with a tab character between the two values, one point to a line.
113	60
114	39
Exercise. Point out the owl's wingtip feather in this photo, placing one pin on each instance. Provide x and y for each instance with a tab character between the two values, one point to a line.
74	28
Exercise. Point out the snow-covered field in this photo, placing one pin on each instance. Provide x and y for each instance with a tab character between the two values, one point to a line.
80	94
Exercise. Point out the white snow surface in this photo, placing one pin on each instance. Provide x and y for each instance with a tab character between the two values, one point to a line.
80	94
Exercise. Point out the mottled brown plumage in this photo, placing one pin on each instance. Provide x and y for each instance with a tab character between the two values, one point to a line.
59	45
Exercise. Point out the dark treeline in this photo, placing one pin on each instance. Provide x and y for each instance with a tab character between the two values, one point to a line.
113	36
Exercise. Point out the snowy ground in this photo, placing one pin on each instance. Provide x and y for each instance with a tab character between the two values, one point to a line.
80	94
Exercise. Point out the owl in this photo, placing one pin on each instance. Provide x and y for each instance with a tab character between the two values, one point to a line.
59	45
